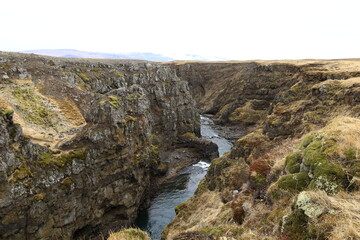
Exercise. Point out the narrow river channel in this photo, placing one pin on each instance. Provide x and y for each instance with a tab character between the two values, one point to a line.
180	188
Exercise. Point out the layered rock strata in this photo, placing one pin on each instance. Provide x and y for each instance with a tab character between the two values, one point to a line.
81	142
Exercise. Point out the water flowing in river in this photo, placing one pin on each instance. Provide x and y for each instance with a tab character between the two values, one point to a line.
180	188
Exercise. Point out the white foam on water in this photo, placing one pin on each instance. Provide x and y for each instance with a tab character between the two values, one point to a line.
203	165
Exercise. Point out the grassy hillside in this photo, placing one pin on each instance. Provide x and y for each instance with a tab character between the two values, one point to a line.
296	174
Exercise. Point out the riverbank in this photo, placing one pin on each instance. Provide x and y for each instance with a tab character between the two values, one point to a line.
179	188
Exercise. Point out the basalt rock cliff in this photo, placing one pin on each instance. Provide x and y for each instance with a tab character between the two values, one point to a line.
81	141
296	172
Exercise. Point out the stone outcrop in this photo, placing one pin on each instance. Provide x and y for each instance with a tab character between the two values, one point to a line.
81	141
221	88
249	94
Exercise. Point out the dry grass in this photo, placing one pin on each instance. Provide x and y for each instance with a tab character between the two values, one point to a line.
336	65
129	234
247	115
32	113
70	111
276	156
346	83
342	214
200	212
3	104
346	130
350	82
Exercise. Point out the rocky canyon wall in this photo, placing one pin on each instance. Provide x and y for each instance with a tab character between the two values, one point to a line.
81	140
295	175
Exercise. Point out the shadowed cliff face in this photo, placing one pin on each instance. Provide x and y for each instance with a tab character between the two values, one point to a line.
81	141
249	94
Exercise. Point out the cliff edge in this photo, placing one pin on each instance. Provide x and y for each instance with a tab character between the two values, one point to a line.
81	141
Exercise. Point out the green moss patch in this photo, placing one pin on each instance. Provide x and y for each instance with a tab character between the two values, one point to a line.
34	107
7	112
22	172
329	177
50	159
213	232
67	181
313	154
353	161
295	226
119	74
307	140
293	161
294	182
38	197
84	77
114	102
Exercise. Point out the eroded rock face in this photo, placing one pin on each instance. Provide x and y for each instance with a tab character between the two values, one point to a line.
221	88
88	145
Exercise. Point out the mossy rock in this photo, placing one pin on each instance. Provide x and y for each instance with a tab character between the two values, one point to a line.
22	172
38	197
324	183
153	158
294	182
84	77
329	177
293	161
67	181
314	154
295	226
307	140
50	159
114	102
331	170
119	74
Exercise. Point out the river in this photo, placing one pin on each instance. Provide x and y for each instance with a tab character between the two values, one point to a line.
179	188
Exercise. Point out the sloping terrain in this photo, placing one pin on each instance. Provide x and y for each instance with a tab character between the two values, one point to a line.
295	175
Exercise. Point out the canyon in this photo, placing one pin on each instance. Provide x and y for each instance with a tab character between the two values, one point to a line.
86	143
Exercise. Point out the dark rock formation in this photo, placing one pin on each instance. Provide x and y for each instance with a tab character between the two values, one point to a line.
94	134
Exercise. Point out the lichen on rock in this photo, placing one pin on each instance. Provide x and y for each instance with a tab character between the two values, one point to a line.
310	208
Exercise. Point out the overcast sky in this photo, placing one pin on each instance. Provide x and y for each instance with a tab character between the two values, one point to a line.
250	29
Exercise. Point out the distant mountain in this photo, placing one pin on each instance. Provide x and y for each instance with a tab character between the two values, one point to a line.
72	53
